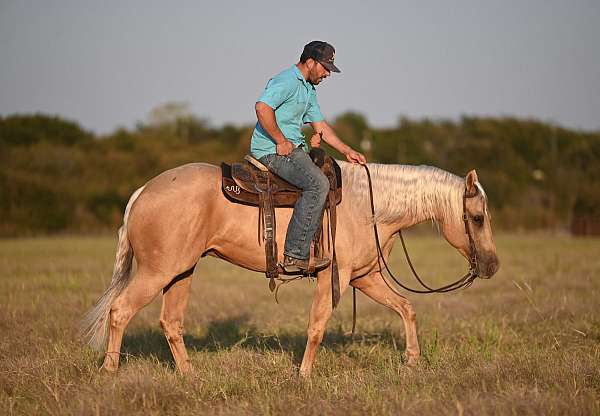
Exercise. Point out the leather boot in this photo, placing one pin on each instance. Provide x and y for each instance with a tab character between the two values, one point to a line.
292	265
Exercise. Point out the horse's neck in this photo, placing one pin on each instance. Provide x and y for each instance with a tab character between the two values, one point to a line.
404	195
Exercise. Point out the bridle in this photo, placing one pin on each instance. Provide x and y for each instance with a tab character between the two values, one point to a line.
464	281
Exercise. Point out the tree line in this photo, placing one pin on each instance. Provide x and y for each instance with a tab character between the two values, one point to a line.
55	176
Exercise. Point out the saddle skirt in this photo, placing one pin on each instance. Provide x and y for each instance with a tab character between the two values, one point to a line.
244	181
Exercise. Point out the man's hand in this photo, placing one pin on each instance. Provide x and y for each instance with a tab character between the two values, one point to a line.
355	157
284	148
315	140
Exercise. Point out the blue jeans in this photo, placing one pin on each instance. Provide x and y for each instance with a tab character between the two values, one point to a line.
298	169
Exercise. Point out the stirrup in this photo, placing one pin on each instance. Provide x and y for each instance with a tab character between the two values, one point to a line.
293	266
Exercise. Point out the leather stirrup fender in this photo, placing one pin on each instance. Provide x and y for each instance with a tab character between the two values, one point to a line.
335	275
251	184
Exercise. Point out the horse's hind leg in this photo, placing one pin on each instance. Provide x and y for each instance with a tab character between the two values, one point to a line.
175	299
141	291
374	287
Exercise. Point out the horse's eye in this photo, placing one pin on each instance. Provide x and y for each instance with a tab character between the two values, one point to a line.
478	219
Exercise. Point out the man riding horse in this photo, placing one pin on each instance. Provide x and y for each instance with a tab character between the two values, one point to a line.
180	216
288	101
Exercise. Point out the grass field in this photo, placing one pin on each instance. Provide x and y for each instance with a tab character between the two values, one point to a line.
525	342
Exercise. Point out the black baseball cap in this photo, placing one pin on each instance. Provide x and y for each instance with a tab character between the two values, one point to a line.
321	52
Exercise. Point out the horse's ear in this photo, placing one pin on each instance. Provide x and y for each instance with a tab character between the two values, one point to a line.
470	182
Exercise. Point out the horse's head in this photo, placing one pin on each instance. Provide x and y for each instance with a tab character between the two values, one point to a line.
479	248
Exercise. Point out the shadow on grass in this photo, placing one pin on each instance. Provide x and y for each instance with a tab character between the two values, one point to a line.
235	332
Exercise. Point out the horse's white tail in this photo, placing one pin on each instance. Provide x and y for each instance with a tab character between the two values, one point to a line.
94	325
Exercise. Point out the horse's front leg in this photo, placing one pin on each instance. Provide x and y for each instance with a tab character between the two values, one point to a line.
320	312
374	287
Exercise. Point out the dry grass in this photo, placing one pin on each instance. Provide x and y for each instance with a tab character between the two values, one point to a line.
525	342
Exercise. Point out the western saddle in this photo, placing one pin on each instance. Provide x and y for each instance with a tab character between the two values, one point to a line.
251	183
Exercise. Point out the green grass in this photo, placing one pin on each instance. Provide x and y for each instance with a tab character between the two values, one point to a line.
525	342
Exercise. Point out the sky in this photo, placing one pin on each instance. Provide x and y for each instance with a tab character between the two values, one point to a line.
107	64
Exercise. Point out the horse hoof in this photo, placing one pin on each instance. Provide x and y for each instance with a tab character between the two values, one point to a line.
108	370
304	374
412	361
185	369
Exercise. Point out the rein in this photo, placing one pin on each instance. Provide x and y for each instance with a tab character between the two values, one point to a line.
464	281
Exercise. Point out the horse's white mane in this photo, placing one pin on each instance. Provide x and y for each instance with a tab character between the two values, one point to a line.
400	191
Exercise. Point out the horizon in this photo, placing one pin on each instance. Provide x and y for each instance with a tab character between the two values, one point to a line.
456	120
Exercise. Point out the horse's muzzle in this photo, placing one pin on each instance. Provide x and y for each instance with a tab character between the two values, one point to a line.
488	266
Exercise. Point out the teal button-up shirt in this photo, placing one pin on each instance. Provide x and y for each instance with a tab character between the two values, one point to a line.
294	101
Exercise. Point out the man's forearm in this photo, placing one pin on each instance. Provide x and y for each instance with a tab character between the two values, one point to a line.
266	118
333	140
324	131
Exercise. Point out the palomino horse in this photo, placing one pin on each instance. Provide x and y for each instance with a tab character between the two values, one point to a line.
182	215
